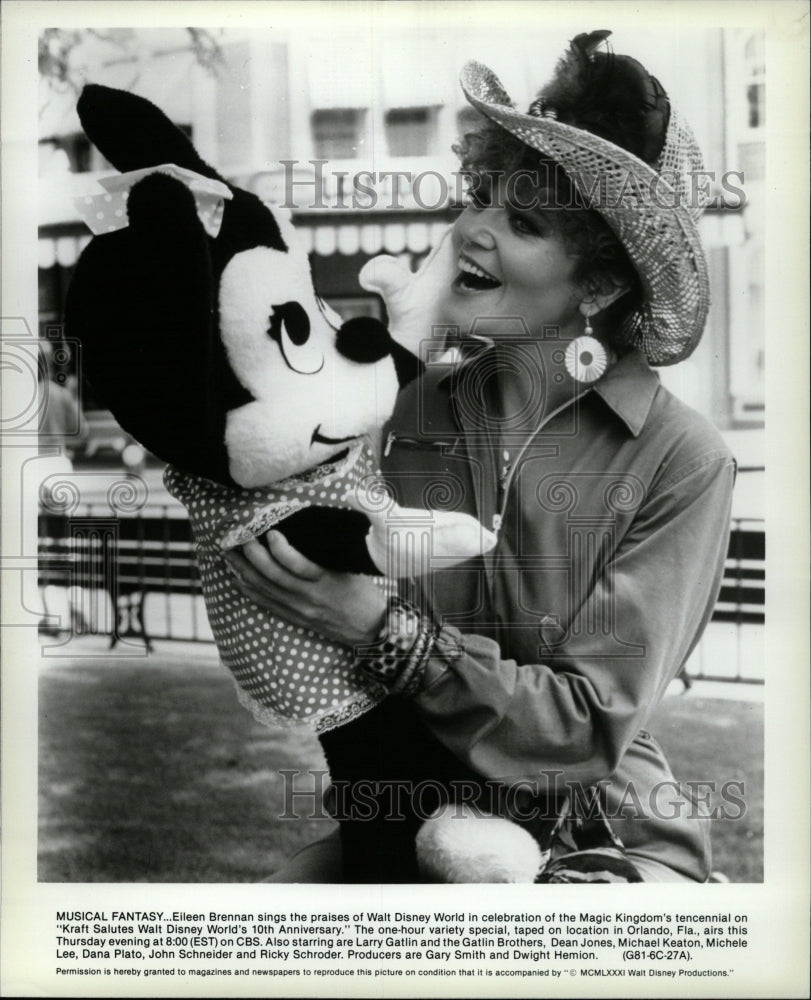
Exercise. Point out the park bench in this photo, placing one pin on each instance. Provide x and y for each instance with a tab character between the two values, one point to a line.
742	598
131	558
127	558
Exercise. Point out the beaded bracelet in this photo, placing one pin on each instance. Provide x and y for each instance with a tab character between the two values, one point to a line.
398	658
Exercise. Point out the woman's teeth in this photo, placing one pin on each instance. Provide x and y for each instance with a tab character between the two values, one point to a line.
474	278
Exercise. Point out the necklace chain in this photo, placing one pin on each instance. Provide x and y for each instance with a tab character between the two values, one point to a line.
505	468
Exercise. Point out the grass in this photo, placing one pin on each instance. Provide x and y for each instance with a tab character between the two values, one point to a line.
722	741
150	771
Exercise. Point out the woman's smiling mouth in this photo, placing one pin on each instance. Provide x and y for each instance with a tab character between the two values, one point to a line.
473	278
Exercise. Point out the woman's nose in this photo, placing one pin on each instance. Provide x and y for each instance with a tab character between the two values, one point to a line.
477	227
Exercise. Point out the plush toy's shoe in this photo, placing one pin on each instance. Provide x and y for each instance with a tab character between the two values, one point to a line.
458	845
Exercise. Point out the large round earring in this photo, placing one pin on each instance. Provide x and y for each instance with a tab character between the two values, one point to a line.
586	358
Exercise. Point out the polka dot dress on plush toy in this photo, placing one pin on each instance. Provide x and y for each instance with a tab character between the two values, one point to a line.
285	675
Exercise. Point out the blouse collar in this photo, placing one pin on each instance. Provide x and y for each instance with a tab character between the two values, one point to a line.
627	388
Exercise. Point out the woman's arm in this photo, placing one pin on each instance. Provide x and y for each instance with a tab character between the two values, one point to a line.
579	711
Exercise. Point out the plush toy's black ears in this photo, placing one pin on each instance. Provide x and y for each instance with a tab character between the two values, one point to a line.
132	133
142	303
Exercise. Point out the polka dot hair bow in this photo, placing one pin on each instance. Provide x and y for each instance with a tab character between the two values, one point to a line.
105	213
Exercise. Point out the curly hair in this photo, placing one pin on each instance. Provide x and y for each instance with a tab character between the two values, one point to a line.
491	157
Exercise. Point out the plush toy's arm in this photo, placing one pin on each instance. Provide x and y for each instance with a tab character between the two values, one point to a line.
407	541
411	298
399	543
332	537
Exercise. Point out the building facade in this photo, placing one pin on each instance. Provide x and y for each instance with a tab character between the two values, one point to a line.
355	134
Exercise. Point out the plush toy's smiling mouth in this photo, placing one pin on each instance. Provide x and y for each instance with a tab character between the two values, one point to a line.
319	438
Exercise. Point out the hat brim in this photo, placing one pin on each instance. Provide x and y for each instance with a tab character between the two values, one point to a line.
650	217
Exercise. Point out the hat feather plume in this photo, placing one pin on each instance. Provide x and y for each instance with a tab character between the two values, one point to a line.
611	96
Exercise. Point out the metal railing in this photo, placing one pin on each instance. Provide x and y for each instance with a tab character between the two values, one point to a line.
135	578
732	646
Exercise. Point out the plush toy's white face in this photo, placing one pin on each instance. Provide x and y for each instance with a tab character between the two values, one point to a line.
310	402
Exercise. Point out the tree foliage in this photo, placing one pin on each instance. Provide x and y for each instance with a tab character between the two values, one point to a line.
60	63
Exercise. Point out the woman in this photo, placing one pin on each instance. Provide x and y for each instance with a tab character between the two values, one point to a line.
542	662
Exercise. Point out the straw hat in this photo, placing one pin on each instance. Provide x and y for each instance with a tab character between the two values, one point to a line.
610	126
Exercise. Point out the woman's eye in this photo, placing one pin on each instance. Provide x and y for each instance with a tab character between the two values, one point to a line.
479	195
525	226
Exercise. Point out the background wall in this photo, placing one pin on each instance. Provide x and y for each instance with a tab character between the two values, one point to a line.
379	100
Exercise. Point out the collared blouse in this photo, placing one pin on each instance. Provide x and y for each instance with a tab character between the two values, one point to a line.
613	521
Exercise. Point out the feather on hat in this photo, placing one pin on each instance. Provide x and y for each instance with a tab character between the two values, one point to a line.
611	96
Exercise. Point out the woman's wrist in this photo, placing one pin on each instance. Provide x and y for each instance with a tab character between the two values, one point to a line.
398	657
375	616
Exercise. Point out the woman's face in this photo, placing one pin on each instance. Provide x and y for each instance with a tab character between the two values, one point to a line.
511	264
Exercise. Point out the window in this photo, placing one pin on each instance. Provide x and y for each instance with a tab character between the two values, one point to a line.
411	131
755	73
746	99
77	148
337	133
747	361
81	154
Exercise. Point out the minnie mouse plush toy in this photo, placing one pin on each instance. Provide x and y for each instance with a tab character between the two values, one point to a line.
202	333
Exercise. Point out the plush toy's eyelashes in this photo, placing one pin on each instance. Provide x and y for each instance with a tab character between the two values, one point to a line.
323	310
290	328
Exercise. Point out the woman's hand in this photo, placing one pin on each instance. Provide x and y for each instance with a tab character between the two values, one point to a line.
340	606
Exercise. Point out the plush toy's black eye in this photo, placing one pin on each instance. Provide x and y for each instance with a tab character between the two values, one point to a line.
296	323
290	328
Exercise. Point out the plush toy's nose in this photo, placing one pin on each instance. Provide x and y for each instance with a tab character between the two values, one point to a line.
363	339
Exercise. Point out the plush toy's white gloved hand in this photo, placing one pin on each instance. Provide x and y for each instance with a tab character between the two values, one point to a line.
412	297
405	542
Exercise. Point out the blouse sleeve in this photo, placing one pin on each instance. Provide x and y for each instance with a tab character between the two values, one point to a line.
511	721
